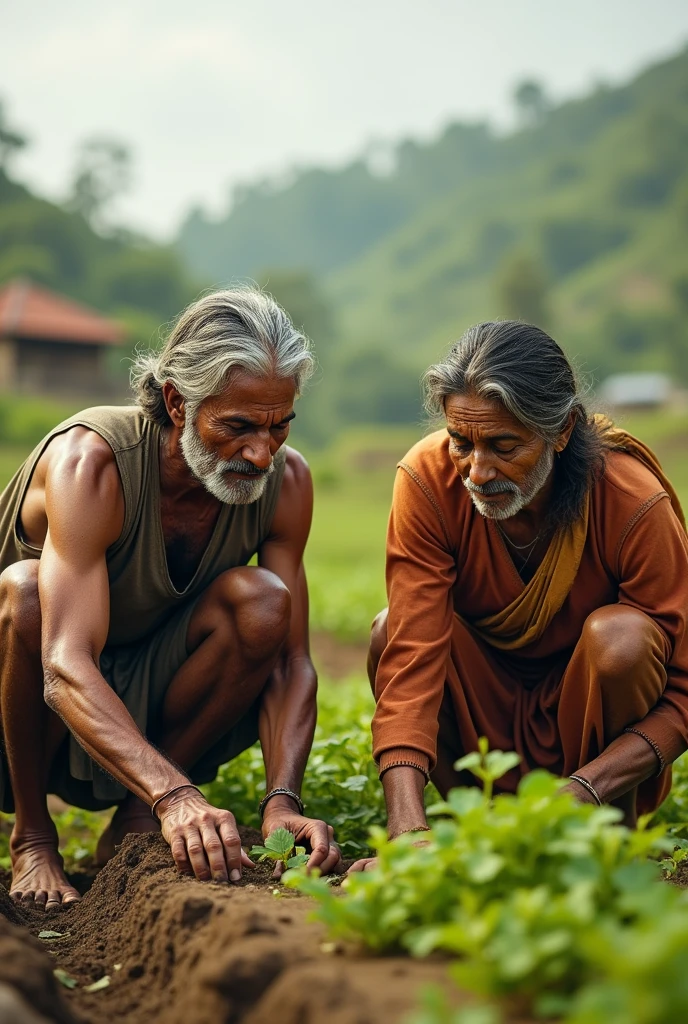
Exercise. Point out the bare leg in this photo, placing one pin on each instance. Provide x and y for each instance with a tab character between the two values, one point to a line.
235	636
32	735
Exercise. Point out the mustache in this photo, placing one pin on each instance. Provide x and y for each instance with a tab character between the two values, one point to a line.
491	487
242	466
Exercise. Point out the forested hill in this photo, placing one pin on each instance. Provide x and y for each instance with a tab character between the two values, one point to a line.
578	221
136	282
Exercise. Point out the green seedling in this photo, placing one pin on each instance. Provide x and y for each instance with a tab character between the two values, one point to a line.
488	765
279	846
65	979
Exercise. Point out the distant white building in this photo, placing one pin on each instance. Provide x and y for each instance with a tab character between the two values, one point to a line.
637	390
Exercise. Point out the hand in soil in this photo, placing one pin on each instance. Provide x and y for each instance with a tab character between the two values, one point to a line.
309	832
37	872
365	864
204	840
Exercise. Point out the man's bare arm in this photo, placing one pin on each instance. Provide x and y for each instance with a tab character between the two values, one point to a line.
288	709
83	502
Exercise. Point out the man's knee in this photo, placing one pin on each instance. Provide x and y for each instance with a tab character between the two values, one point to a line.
378	642
258	604
20	609
620	641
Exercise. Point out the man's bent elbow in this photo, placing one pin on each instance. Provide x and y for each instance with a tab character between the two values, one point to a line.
58	681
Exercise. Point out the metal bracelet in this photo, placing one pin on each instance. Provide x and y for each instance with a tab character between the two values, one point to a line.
175	789
589	786
280	791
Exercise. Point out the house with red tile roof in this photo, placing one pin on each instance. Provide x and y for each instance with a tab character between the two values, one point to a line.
50	344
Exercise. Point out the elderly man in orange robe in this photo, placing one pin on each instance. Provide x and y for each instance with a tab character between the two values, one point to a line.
537	574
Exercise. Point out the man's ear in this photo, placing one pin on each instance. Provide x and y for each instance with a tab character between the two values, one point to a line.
565	435
175	404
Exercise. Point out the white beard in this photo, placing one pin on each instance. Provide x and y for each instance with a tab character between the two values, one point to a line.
520	496
212	472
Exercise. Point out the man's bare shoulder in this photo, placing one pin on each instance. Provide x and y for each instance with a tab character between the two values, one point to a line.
76	472
297	472
294	511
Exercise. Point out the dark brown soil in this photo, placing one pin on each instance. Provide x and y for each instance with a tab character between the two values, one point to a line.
181	952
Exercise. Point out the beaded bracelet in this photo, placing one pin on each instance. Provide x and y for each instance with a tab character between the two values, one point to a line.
652	743
280	791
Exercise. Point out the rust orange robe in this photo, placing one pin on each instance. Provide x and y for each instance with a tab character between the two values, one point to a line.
448	566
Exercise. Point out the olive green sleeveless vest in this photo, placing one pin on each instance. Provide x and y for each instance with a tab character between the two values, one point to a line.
142	595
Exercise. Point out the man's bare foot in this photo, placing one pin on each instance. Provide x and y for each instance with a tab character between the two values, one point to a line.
130	816
38	871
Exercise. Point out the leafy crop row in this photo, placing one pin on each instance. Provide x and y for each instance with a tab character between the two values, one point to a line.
552	907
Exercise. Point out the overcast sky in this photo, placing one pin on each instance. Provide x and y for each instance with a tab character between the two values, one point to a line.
210	92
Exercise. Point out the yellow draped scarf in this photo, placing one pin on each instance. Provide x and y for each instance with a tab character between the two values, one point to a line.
528	616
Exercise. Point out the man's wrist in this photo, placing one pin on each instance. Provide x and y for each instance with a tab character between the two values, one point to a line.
280	799
169	799
403	786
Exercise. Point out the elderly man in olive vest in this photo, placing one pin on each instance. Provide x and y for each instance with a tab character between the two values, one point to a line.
140	651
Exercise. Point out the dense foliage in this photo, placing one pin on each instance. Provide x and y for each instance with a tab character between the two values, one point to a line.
551	905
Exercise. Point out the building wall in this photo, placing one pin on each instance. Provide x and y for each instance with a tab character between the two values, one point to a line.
41	367
7	364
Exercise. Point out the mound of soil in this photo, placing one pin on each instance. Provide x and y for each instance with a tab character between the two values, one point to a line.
180	951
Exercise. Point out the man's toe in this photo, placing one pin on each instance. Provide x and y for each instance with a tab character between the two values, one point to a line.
54	899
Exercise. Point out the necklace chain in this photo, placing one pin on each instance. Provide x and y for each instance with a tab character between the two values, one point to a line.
518	548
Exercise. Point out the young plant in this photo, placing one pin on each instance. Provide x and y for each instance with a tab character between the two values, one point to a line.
520	887
279	846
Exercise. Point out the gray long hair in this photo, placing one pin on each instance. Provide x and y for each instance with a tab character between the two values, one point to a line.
520	366
235	329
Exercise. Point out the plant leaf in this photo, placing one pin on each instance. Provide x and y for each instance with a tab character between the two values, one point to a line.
51	935
281	841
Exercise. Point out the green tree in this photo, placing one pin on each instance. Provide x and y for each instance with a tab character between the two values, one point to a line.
522	290
102	174
372	387
531	102
300	294
11	141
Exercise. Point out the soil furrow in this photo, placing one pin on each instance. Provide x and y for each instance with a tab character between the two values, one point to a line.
181	952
